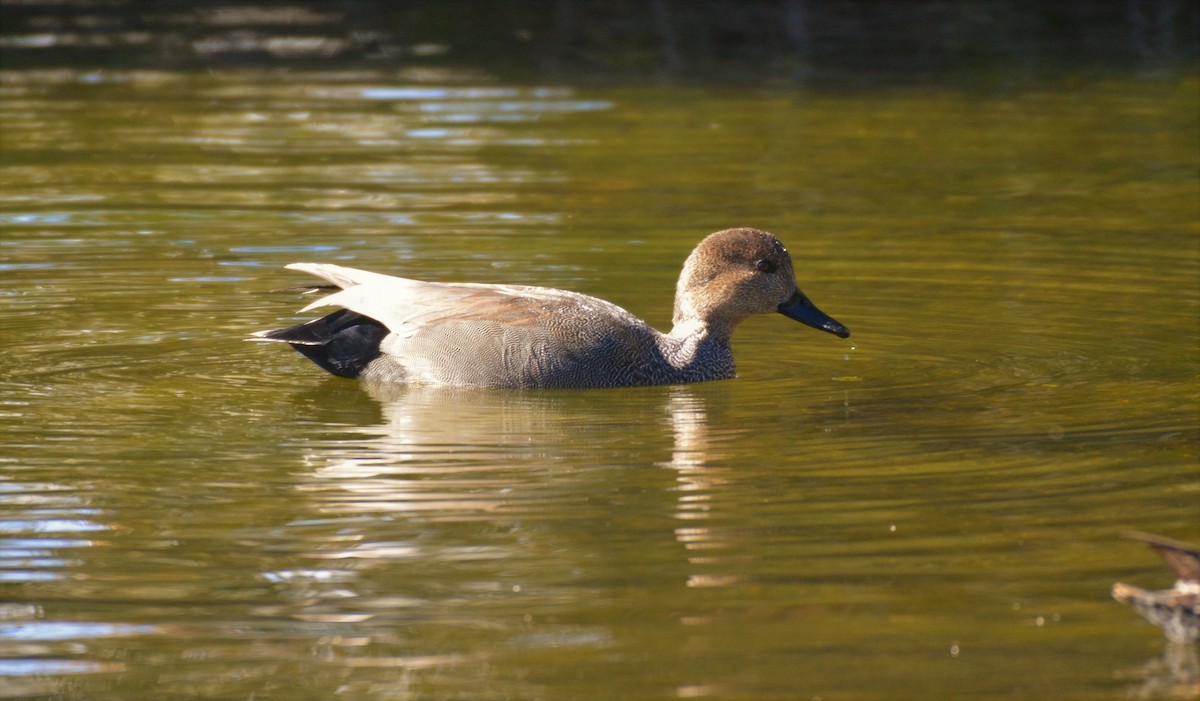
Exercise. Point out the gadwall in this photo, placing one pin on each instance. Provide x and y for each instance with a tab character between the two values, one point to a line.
1175	610
475	335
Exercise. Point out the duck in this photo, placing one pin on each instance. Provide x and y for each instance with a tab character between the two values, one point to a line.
1175	610
394	329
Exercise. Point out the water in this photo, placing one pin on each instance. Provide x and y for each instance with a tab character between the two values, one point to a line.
929	509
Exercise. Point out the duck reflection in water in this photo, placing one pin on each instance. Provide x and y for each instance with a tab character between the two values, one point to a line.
505	454
416	434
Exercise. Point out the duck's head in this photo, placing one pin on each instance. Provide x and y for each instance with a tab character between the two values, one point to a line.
735	273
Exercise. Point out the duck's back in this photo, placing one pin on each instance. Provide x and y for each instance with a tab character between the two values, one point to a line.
486	336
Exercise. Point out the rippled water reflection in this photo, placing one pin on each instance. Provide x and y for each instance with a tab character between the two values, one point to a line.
927	510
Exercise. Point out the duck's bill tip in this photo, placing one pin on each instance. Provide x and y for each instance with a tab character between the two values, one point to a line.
836	329
803	310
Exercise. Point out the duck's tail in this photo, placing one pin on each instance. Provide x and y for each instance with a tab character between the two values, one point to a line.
342	343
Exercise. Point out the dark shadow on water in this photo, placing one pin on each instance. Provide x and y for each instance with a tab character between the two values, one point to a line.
844	42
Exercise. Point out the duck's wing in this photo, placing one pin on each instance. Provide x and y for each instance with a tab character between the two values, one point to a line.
342	276
1183	558
402	304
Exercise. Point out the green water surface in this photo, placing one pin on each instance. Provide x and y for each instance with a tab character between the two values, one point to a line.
928	509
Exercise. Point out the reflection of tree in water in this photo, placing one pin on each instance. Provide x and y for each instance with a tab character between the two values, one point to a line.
730	39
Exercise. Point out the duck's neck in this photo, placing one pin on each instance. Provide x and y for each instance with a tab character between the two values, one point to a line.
698	350
692	328
693	321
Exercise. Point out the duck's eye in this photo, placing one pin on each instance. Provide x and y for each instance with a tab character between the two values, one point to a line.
765	266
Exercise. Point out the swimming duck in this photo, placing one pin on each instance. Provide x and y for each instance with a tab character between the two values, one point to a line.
1175	610
477	335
